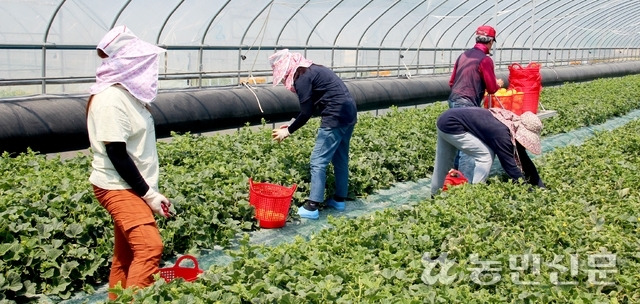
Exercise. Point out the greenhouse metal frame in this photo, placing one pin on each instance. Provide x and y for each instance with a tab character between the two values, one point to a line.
48	46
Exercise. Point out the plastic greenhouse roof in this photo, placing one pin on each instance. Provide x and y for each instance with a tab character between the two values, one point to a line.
325	23
48	46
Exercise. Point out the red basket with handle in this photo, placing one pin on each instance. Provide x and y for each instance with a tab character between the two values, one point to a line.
176	271
454	178
271	202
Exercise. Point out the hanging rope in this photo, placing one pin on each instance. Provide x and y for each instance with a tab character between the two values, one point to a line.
244	56
254	94
261	34
424	25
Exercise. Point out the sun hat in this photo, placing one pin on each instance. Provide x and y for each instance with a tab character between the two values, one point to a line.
528	132
284	65
525	128
486	30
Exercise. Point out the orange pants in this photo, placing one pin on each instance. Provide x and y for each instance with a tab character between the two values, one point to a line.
138	246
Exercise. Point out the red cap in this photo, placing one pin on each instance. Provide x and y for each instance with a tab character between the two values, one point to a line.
486	30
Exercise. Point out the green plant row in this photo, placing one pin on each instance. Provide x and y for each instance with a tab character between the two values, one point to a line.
582	231
56	239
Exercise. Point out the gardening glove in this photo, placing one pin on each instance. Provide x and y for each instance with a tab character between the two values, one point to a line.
158	203
280	134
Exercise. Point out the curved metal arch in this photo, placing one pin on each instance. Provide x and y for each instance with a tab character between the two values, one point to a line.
467	26
306	43
583	21
503	34
167	20
594	22
636	42
516	5
511	24
53	17
21	24
615	39
538	11
427	32
565	9
620	40
417	23
117	16
478	4
376	20
596	18
335	40
244	35
634	32
206	31
384	37
621	19
619	23
284	26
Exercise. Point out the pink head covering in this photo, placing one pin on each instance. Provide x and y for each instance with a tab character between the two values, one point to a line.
133	63
284	65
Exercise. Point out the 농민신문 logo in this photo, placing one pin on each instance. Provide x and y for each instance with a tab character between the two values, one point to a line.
561	270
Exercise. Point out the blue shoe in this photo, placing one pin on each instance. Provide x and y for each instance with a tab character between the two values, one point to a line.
314	215
336	205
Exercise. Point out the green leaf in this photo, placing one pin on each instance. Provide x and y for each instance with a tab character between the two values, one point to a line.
48	274
7	247
623	192
30	288
73	230
67	268
14	281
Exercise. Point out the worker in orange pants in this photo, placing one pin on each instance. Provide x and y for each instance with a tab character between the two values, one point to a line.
125	158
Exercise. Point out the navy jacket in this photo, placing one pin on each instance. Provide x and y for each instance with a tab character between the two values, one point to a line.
321	92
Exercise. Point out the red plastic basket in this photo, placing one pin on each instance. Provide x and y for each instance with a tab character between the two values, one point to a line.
271	202
530	101
503	102
516	104
186	273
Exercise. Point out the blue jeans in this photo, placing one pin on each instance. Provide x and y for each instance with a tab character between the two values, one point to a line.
460	103
463	162
332	145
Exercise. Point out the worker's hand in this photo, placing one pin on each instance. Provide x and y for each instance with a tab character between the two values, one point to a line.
158	203
280	134
500	82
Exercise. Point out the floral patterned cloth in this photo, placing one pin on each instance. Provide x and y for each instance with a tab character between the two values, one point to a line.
284	65
132	63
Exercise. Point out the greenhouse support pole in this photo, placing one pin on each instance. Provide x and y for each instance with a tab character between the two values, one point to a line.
200	66
495	25
44	70
533	24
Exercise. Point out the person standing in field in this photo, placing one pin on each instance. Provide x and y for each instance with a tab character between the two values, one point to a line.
125	160
320	91
473	74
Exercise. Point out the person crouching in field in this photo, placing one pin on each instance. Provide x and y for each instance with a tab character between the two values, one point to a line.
481	134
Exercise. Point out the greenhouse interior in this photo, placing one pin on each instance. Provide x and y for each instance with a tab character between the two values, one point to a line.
229	133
